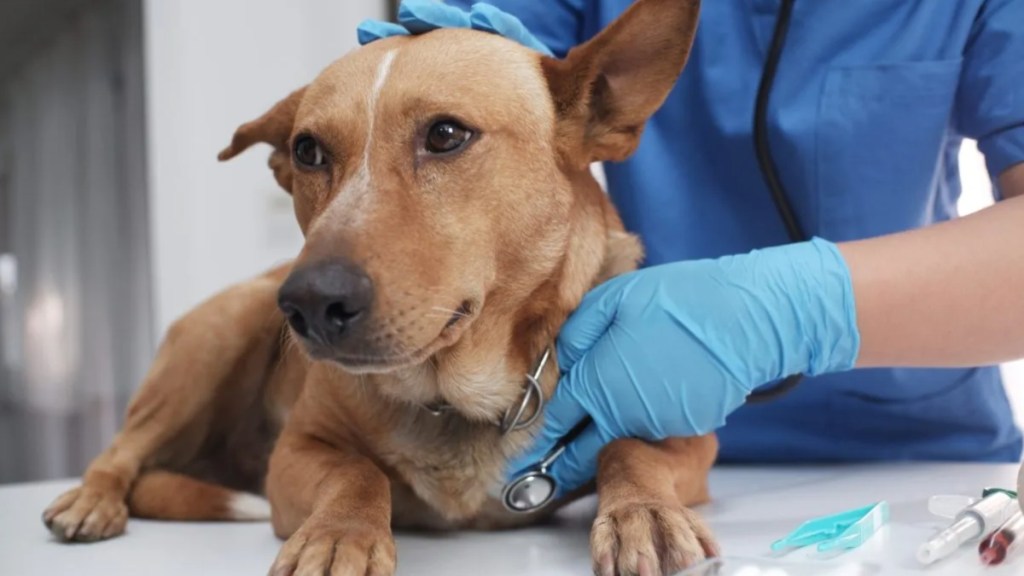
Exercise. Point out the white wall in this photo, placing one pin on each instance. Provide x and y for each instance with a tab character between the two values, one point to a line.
209	67
977	194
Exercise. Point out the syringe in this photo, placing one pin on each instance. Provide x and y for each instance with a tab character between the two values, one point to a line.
971	523
1020	487
1006	540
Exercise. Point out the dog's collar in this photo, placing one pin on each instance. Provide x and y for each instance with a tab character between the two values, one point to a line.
515	417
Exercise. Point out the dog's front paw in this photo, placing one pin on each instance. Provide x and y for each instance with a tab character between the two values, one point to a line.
345	549
85	514
649	540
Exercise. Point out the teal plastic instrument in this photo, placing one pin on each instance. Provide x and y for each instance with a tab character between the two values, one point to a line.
842	531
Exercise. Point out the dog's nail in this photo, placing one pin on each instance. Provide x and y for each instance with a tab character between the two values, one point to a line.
606	565
644	566
282	570
711	550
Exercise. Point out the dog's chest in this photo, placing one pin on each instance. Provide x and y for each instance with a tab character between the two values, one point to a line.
449	472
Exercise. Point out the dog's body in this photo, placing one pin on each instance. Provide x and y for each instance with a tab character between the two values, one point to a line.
446	275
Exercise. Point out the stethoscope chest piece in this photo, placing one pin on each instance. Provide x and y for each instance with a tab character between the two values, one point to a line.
535	487
531	491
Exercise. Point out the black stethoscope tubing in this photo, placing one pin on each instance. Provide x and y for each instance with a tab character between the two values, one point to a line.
770	172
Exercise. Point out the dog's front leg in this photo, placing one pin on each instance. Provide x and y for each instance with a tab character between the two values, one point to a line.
170	415
643	525
334	507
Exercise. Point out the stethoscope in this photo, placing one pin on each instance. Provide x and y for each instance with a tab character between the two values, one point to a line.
535	487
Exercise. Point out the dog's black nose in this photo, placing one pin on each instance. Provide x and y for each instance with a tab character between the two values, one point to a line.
323	301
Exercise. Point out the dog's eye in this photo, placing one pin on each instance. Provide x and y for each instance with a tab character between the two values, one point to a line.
308	152
446	136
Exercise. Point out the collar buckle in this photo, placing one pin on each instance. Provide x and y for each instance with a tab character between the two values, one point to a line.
439	408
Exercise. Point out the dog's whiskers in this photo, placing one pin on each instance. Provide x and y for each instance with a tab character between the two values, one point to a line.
462	313
444	317
285	344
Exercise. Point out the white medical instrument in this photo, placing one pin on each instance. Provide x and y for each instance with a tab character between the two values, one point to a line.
1020	487
947	506
971	523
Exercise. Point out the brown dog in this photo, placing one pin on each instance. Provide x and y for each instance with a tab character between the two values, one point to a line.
451	226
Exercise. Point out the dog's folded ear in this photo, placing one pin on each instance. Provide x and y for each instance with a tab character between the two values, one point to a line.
274	128
606	89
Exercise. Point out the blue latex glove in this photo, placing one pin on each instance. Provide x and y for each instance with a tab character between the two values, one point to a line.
422	16
672	350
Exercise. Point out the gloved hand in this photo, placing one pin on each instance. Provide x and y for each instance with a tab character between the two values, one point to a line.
422	16
672	350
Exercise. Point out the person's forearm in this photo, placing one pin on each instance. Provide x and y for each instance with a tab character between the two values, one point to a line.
947	295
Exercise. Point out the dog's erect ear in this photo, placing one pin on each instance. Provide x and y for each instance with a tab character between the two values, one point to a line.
606	89
274	128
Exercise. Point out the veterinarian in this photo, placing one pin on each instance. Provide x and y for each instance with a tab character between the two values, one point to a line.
898	336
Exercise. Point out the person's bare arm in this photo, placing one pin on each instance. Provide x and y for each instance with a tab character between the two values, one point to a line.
947	295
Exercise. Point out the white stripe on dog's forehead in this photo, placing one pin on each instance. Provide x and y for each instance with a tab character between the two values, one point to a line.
383	69
353	200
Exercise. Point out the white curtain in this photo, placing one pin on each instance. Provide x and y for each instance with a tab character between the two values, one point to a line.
75	316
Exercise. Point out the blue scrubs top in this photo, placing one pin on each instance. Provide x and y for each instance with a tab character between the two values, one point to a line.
870	104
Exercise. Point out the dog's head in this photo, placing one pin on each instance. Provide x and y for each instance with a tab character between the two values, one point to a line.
437	178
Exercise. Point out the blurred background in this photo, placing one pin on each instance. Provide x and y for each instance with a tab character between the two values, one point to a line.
115	217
